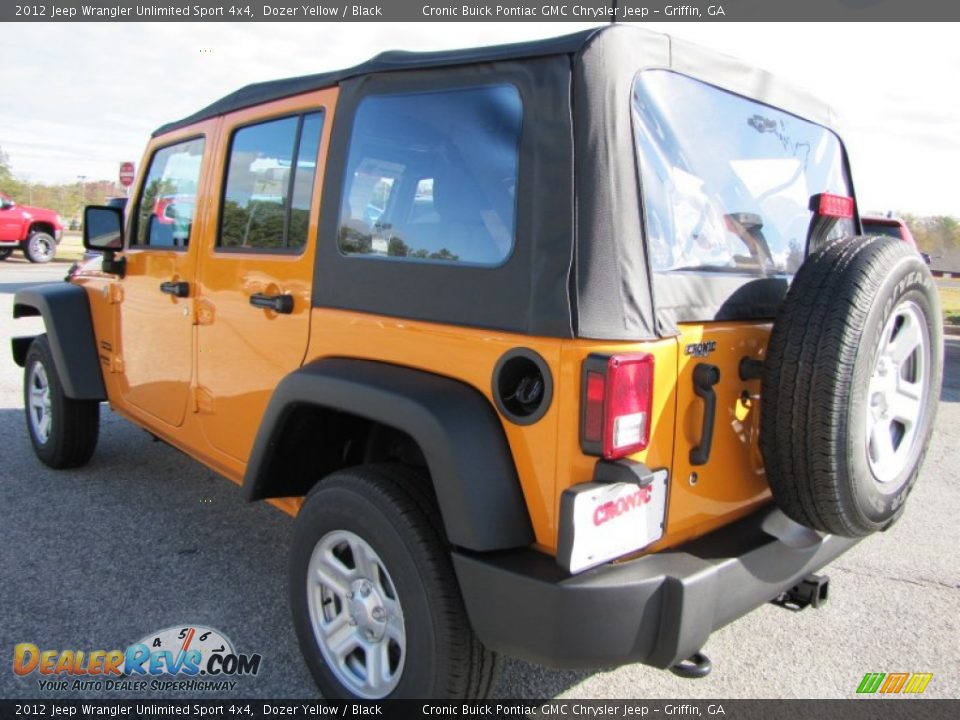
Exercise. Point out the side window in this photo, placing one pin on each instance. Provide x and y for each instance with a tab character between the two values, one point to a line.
271	168
164	216
433	176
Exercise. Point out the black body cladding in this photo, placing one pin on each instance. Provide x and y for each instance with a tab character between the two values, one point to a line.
461	438
658	609
66	313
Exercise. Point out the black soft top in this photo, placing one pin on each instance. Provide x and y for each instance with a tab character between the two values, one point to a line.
579	268
705	64
389	61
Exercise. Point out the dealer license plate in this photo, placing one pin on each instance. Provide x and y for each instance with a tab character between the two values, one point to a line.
609	520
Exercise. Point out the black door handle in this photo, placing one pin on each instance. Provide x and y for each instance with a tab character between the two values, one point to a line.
177	289
704	378
277	303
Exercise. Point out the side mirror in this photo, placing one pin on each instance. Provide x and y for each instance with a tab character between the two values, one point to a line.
102	228
6	203
103	231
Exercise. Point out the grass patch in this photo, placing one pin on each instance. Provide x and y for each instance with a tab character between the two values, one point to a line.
950	301
70	248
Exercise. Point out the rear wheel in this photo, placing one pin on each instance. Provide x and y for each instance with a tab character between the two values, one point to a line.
40	247
63	431
375	601
4	254
850	387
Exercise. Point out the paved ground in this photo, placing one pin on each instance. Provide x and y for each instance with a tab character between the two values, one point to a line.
144	538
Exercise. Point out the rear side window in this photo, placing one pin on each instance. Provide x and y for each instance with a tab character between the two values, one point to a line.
727	181
164	217
431	177
271	169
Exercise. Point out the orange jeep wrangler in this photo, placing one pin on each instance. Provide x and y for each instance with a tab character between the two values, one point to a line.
566	350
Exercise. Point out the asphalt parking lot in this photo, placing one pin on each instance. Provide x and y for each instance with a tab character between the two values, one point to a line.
144	538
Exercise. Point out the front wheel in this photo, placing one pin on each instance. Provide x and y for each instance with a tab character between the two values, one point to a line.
63	431
5	253
40	247
375	601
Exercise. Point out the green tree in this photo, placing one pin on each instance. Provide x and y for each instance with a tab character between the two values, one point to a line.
6	175
8	182
936	234
397	247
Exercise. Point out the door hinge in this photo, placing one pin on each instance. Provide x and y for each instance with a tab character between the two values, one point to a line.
113	360
202	400
205	312
113	293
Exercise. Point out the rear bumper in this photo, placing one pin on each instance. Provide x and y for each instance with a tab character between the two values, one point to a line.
658	609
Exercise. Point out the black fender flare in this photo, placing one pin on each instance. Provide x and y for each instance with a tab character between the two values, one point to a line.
461	437
65	310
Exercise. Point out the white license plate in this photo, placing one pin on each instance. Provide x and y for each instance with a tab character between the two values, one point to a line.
609	520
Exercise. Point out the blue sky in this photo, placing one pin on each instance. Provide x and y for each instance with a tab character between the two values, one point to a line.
80	98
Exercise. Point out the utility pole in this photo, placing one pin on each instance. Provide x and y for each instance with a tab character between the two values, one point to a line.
83	192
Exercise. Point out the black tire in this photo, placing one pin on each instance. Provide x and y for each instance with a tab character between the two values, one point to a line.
392	509
827	356
5	253
40	247
71	436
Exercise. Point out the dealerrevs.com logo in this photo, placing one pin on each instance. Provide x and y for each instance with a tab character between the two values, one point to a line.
182	658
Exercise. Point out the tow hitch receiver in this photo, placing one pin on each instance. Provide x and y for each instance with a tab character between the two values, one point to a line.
809	592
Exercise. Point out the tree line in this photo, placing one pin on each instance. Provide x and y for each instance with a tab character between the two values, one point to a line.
937	235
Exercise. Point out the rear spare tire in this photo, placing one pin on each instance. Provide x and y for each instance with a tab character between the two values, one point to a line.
850	385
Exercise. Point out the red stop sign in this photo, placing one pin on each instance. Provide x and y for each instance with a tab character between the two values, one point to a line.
126	174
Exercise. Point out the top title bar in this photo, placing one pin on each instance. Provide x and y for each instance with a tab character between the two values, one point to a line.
473	11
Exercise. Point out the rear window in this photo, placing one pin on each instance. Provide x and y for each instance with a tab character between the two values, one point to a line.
872	227
431	177
727	181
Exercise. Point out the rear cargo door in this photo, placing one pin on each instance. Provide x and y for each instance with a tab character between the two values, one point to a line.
718	470
253	312
728	184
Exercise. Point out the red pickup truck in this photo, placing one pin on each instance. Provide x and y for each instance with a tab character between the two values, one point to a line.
34	230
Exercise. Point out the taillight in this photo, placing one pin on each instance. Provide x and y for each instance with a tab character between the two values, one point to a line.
617	394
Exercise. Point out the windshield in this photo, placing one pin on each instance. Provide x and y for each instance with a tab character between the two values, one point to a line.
727	181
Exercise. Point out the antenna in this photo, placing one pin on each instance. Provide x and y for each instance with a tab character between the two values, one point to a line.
613	12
